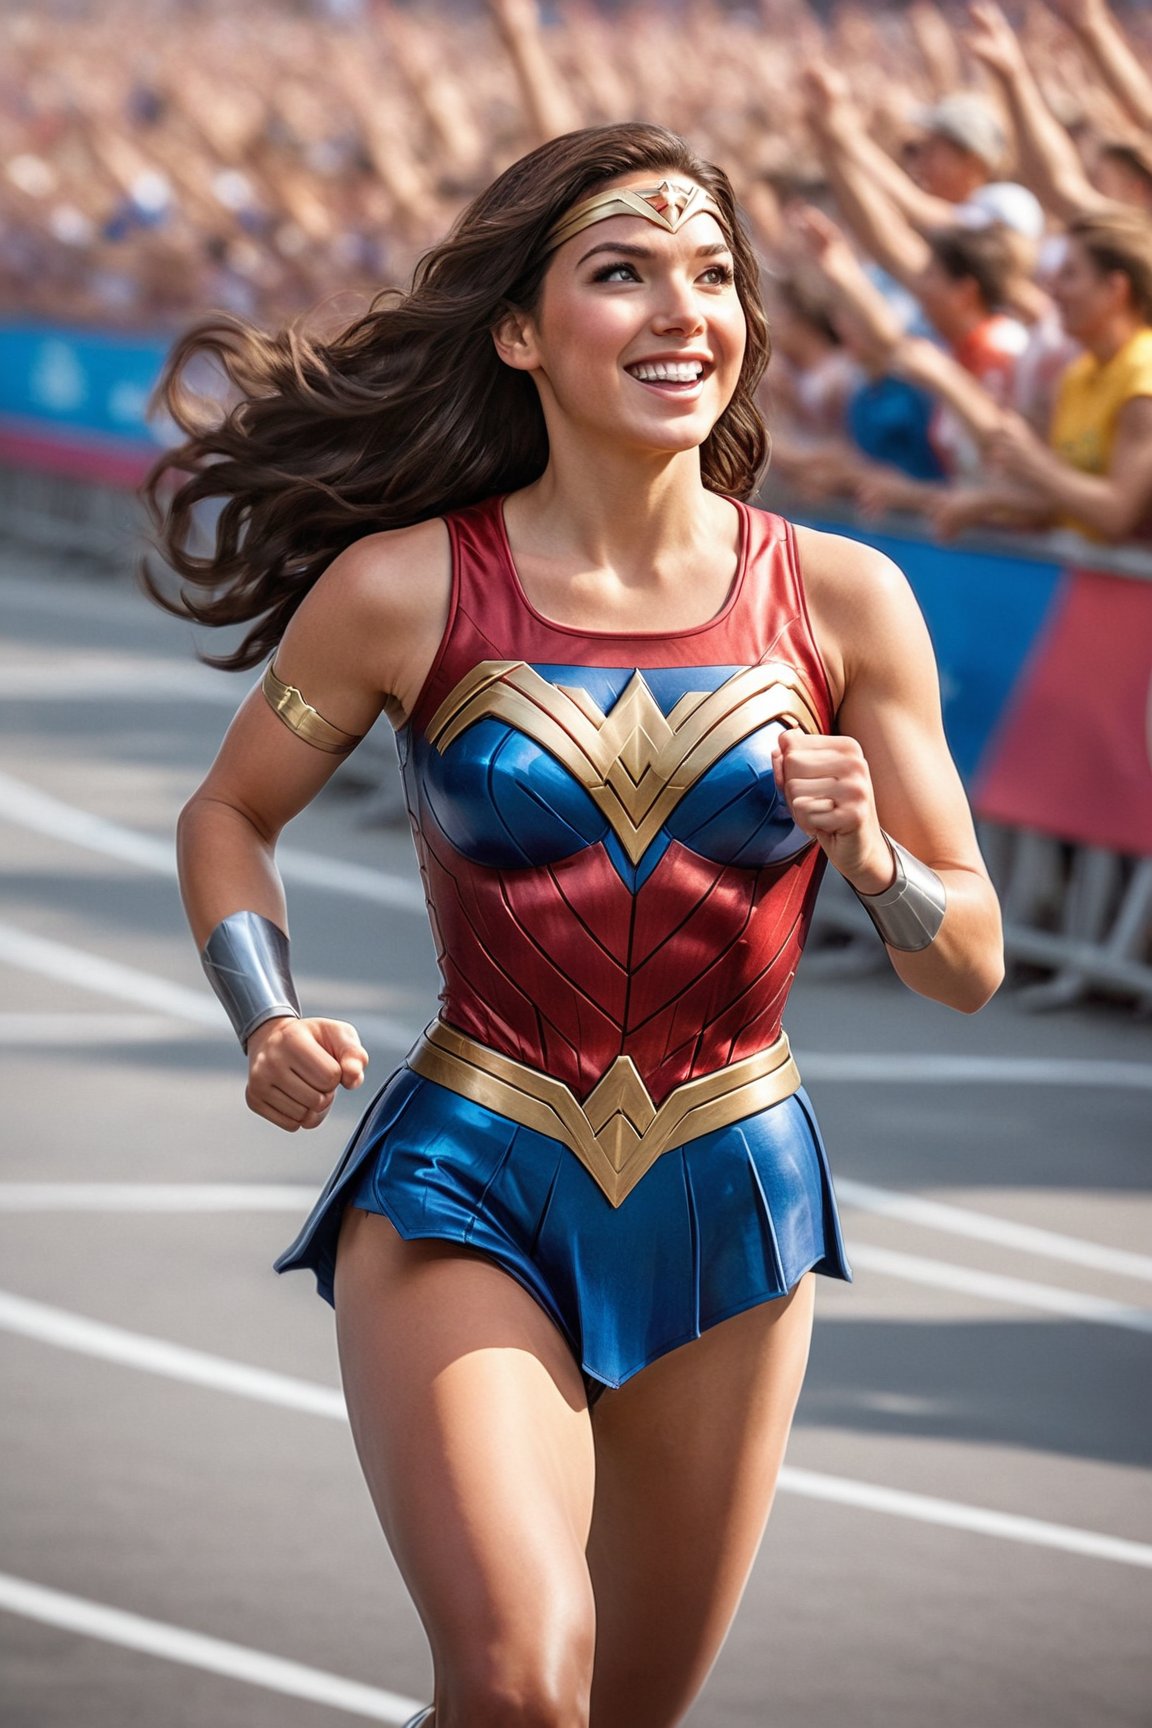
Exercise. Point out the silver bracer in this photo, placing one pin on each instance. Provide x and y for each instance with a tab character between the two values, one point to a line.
246	961
908	914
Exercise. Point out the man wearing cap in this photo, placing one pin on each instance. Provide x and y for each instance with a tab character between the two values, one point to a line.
961	148
958	148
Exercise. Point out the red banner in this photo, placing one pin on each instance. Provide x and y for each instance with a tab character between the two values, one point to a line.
1072	755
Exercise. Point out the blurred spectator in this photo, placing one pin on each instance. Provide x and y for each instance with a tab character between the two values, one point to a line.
813	375
1094	474
160	161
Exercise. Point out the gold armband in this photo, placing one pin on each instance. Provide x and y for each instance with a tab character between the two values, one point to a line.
287	703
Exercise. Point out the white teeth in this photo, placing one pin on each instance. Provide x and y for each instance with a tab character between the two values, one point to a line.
668	372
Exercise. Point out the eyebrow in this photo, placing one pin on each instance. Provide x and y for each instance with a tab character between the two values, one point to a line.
629	251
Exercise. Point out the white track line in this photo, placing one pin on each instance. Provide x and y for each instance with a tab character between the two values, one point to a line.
155	1197
71	1331
924	1069
282	1197
197	1197
927	1509
994	1287
76	1332
195	1650
83	971
28	807
46	1031
982	1226
84	677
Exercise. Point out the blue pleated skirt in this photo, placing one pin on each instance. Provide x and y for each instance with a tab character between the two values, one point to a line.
732	1219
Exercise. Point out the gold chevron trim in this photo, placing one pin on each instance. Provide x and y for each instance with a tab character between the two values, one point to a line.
617	1133
635	762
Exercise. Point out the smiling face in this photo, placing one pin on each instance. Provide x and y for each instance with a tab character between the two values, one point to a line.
638	335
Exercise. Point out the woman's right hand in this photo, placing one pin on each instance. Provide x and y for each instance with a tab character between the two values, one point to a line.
991	38
295	1066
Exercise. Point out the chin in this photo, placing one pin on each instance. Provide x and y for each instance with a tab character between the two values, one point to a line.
684	434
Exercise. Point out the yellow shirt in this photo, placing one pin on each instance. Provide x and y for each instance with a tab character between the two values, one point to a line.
1089	398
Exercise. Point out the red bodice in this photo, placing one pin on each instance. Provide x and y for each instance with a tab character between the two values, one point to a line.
609	867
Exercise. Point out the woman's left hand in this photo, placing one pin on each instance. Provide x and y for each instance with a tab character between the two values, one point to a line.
828	790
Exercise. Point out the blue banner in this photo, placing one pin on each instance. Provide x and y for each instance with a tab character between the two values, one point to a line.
75	400
985	612
80	385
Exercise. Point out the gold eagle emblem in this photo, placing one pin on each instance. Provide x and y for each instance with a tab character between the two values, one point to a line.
635	762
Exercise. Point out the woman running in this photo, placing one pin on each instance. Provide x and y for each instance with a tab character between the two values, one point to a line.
570	1245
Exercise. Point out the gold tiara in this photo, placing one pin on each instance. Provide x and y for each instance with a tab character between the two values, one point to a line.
669	205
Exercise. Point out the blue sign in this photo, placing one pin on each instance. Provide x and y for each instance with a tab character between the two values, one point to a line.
81	382
985	612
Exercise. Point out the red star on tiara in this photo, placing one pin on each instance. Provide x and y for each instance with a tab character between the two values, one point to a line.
669	200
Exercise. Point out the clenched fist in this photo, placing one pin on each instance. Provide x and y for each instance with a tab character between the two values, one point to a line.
828	789
295	1066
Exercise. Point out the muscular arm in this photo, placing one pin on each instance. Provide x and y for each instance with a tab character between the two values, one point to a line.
872	191
997	502
889	767
1114	504
1111	54
361	642
923	363
1049	161
548	105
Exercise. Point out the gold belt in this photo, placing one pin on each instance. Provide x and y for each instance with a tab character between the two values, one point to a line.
617	1133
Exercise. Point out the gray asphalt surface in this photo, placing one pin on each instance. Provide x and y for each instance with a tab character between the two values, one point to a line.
973	1369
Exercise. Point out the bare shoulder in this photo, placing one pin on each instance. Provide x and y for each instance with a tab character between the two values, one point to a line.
861	605
841	572
387	578
376	615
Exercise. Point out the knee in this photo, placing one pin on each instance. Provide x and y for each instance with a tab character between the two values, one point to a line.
500	1707
550	1688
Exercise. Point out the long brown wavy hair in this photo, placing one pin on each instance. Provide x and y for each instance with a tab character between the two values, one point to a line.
408	412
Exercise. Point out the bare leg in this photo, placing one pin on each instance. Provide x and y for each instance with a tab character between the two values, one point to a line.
687	1456
472	1426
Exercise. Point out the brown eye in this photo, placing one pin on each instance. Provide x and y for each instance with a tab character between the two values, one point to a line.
612	272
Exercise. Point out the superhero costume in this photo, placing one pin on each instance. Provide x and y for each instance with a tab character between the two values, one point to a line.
619	896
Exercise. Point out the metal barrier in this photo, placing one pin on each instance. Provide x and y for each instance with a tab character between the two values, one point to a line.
1077	921
1082	913
101	523
1077	914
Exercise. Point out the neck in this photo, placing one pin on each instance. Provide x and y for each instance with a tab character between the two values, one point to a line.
1028	301
602	511
955	326
809	348
965	180
1111	337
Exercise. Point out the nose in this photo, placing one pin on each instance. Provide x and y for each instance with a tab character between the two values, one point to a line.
679	309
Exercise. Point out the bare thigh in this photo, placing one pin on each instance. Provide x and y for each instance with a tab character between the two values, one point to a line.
687	1456
470	1419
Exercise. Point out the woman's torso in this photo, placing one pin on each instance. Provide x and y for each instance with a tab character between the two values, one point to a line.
610	870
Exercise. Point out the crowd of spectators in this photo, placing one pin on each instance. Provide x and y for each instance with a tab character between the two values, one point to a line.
954	207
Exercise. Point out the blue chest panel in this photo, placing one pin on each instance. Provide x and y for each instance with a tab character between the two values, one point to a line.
504	800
